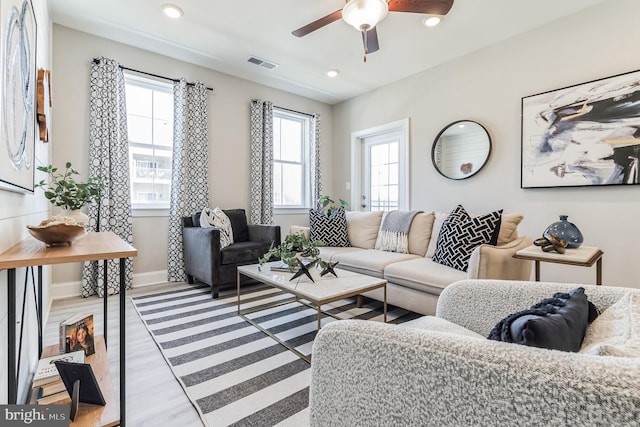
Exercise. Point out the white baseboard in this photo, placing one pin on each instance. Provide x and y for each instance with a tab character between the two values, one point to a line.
74	289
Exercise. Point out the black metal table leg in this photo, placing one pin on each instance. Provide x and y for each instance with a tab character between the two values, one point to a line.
11	335
122	341
40	319
104	302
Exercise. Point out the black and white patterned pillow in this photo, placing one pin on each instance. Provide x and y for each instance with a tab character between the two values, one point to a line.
461	234
331	230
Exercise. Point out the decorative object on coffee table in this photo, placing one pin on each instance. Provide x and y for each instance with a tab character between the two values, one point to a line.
329	268
565	230
303	268
295	247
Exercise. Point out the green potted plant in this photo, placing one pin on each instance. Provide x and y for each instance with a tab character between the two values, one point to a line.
328	205
295	246
65	191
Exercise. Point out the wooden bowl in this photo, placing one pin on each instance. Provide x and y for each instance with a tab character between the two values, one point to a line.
57	234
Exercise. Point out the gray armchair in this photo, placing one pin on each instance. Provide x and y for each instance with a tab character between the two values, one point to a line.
206	262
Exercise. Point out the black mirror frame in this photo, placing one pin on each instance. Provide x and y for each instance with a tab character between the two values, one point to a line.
435	141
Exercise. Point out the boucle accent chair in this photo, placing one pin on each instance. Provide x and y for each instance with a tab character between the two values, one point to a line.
442	371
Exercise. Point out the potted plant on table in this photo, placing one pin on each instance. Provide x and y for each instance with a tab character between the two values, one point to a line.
292	250
65	191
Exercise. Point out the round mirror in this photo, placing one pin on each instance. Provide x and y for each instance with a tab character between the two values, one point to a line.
461	149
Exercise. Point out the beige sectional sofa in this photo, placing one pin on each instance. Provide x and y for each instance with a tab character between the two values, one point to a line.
414	280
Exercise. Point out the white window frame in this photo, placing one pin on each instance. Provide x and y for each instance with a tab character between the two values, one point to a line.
151	208
357	140
306	190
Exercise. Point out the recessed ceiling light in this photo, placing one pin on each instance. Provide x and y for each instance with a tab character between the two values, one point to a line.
333	72
172	11
431	21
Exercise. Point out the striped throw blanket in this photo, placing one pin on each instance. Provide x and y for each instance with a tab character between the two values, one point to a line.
394	231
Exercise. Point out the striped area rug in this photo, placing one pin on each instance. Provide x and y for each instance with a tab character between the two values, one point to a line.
234	373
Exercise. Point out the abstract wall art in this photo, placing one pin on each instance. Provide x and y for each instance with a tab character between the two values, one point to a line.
18	95
583	135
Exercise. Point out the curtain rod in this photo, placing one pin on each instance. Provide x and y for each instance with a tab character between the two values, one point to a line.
97	61
292	111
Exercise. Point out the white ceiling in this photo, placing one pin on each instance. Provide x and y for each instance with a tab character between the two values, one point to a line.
222	35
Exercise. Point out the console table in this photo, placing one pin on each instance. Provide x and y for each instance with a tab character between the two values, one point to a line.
584	256
95	246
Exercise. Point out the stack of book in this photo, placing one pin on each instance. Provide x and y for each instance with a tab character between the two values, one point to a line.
47	383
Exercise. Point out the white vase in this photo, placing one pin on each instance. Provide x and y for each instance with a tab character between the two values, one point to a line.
80	217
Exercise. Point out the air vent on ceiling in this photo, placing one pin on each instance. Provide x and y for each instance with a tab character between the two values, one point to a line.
263	63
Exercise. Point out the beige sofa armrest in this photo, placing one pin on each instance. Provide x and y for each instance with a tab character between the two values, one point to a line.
367	373
497	262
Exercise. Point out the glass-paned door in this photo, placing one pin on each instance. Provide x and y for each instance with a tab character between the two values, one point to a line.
381	180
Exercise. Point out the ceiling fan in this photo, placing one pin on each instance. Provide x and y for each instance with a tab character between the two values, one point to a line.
364	15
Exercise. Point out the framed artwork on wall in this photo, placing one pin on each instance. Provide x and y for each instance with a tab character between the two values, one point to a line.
18	70
583	135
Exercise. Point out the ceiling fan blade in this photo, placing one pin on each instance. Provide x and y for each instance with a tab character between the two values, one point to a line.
431	7
325	20
370	41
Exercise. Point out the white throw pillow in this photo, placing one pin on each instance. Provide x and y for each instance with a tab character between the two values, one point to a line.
217	218
616	332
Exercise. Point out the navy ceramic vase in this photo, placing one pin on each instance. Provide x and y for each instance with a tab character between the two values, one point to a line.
564	230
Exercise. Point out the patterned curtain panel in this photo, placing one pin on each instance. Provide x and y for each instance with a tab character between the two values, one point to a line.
261	162
108	157
316	177
190	181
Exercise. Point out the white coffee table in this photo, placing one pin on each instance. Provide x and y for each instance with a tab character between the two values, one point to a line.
326	289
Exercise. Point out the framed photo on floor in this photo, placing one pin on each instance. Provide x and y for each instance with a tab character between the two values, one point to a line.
17	95
583	135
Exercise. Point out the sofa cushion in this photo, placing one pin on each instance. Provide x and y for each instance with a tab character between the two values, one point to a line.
616	332
557	323
362	228
437	324
420	233
331	230
509	228
369	261
238	219
332	253
393	235
438	220
422	274
243	252
217	218
460	235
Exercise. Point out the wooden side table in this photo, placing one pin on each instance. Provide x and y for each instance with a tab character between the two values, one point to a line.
95	246
584	256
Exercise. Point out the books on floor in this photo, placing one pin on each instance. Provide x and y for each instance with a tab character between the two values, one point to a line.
47	373
76	333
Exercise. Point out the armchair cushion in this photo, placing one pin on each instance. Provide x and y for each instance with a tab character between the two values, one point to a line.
557	323
614	332
217	218
243	252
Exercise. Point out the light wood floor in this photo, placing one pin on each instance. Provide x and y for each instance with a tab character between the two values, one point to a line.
154	396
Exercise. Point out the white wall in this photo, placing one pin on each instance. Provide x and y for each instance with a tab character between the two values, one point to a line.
18	210
228	137
487	86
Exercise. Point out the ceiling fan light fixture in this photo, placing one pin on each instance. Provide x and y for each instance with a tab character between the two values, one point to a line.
431	21
364	14
172	11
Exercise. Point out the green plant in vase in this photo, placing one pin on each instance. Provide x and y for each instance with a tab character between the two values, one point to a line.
64	190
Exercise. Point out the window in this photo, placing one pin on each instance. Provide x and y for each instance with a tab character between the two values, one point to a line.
291	160
150	127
